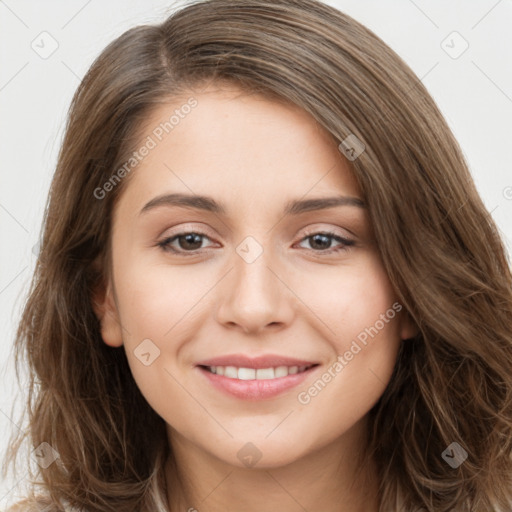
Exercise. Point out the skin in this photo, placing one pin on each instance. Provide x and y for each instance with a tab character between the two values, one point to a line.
253	155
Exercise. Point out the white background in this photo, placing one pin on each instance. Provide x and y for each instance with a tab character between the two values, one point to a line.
474	91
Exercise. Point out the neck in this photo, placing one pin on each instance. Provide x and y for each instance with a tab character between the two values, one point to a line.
331	479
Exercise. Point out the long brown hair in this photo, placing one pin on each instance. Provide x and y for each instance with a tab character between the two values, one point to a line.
440	247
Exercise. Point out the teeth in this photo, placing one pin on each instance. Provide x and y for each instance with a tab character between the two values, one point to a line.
232	372
229	371
281	371
265	373
246	373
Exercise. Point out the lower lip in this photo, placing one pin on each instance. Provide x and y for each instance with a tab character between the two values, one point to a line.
255	389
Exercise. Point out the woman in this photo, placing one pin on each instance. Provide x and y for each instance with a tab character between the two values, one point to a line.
264	370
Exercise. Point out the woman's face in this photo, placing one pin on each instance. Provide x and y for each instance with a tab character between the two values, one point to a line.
257	289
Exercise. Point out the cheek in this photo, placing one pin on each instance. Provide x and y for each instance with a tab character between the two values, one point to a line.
360	320
156	298
370	333
157	305
154	309
351	300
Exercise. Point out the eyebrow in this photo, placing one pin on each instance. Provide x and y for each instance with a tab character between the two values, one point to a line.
209	204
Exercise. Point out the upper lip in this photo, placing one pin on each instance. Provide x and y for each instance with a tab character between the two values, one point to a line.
243	361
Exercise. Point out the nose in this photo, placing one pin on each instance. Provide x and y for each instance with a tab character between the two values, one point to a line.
255	296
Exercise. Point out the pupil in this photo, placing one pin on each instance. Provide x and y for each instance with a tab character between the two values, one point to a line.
325	239
190	239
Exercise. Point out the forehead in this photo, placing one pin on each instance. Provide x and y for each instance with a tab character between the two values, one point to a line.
236	145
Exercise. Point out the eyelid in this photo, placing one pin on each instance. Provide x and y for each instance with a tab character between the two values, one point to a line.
337	231
178	229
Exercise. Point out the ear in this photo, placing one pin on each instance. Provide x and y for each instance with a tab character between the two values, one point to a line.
408	328
105	308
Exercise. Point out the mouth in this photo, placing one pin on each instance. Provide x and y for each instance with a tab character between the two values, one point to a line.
243	373
254	381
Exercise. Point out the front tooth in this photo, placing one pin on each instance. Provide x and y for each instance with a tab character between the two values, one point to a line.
265	373
293	369
246	373
231	372
281	371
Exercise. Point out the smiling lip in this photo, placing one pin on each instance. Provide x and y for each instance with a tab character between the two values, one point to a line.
243	361
255	389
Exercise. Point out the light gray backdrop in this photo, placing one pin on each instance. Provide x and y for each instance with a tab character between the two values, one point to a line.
461	50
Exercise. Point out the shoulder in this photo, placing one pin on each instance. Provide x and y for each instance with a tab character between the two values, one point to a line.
27	505
38	504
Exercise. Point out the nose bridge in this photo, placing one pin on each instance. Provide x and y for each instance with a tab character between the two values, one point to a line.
254	281
253	296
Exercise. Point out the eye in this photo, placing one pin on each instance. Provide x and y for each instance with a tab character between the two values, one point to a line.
188	242
321	242
191	241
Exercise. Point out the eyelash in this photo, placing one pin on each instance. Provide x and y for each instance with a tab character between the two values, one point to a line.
165	244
